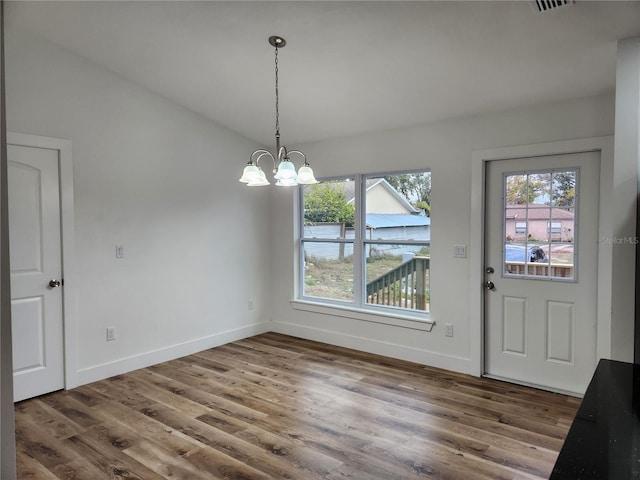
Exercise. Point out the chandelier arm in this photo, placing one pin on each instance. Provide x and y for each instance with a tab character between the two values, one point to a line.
264	153
260	150
304	157
283	153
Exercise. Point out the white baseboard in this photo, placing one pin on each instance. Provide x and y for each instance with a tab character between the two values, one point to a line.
143	360
378	347
128	364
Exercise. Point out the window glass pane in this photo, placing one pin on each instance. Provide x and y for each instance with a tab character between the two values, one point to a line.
516	189
525	259
539	224
562	260
329	209
397	276
564	188
328	270
397	207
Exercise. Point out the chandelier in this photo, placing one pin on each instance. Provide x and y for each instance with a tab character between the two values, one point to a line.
283	168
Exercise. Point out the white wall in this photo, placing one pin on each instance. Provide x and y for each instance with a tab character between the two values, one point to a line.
7	424
159	180
446	148
627	155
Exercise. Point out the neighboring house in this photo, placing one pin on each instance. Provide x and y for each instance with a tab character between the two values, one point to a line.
388	216
536	222
382	198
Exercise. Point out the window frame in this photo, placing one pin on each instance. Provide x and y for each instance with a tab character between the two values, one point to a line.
363	311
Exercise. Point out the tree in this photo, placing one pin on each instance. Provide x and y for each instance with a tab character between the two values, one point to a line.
326	203
415	187
523	189
564	189
545	188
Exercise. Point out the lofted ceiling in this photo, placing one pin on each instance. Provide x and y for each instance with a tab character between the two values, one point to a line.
348	67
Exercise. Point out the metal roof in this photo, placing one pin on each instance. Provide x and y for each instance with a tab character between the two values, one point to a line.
389	220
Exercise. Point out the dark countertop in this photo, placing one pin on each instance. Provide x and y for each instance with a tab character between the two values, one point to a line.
604	440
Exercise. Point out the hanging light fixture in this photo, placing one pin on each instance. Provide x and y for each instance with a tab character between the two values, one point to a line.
283	168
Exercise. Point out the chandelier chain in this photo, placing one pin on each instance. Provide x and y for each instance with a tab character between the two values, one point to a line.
277	99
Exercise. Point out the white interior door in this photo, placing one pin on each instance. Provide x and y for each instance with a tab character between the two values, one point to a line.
541	241
35	255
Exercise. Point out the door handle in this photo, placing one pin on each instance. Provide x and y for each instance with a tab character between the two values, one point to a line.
490	285
54	283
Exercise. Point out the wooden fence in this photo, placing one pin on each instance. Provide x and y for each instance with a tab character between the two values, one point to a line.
558	270
405	286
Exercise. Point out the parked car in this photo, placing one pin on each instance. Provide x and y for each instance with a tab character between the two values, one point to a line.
520	253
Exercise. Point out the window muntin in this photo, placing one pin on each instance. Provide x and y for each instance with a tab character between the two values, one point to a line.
544	203
383	225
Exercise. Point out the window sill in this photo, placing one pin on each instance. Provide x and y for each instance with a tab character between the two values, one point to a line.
396	320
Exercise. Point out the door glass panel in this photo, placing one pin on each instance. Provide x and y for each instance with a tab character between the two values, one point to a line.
539	224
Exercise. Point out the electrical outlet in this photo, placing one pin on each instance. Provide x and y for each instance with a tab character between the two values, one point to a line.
448	329
250	304
111	334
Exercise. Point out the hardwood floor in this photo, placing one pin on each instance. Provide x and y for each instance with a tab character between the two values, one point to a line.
278	407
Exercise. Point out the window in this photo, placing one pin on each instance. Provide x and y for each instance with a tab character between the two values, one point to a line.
544	245
554	227
364	242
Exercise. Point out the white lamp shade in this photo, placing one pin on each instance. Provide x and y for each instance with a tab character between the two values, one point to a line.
286	171
250	172
305	176
286	182
260	181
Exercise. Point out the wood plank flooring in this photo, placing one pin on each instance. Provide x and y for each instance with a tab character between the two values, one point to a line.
278	407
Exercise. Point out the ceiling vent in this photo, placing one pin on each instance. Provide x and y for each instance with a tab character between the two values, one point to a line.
548	5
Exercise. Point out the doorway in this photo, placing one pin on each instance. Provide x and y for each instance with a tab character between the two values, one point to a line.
605	281
38	168
541	270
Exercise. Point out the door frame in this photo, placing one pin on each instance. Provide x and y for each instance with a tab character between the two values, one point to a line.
604	145
67	233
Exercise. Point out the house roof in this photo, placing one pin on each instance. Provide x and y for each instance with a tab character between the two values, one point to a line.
387	220
534	211
349	188
349	191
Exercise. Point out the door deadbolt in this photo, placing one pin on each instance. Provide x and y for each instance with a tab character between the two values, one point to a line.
490	270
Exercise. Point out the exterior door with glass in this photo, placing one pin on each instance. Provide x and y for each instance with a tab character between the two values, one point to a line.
541	250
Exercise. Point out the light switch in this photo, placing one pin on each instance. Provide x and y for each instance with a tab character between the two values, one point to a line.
460	251
119	251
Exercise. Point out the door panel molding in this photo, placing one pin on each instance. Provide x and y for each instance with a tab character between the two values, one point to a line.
67	226
604	145
560	327
514	325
